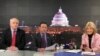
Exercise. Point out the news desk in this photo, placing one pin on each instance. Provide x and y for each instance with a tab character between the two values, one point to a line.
26	53
46	53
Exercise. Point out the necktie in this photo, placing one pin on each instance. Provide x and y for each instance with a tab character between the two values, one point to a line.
13	39
44	40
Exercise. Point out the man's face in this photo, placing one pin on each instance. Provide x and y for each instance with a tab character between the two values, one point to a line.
43	28
14	23
89	30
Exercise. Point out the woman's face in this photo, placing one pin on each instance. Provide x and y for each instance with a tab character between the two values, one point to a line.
89	30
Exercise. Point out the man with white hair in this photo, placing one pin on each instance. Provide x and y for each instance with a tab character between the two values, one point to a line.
13	38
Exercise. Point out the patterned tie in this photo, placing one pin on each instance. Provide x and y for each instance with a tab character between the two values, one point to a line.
44	40
13	39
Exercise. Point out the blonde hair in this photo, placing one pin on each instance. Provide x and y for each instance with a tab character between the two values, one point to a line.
92	25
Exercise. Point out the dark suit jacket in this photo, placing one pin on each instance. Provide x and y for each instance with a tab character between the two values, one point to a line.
7	39
38	40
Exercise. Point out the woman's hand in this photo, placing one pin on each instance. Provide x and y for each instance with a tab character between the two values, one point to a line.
88	49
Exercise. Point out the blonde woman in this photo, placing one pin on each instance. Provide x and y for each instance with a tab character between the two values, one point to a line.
90	38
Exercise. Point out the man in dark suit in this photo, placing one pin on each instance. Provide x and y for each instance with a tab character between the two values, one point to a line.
13	38
43	39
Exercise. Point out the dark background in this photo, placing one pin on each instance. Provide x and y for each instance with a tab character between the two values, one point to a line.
34	11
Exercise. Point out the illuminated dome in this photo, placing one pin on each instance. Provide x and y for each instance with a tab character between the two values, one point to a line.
60	19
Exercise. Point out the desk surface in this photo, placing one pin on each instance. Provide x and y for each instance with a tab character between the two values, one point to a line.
72	54
32	53
26	53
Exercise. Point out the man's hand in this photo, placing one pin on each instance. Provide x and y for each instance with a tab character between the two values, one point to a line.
12	48
41	49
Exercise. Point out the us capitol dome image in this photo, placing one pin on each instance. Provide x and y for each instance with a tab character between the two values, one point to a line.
60	19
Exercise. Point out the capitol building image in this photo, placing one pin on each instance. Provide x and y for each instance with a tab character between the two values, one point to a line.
60	19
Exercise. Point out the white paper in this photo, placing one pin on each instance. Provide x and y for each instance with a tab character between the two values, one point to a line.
50	47
73	51
88	53
1	50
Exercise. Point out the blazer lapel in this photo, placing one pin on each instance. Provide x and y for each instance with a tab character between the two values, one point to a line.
17	36
93	41
9	36
39	37
87	41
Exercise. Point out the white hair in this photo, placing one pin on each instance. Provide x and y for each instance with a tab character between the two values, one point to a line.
14	19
